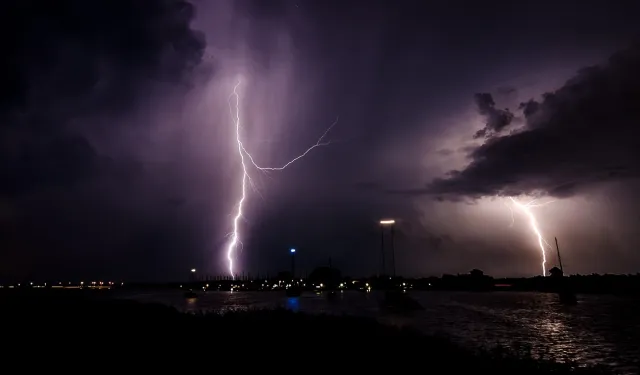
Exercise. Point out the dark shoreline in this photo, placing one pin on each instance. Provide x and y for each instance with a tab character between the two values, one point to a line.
264	338
620	285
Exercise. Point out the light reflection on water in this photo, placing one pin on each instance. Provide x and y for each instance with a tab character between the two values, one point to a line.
293	304
599	330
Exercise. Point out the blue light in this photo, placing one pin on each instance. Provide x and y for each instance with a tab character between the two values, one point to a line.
293	251
293	304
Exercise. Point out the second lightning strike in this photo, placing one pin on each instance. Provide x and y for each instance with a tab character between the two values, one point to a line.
246	177
541	242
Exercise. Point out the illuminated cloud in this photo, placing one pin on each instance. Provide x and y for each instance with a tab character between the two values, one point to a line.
583	134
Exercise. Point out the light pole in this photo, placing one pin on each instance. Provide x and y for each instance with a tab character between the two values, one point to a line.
193	274
293	264
382	248
391	223
393	249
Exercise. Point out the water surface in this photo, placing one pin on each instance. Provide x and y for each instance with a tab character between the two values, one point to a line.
599	330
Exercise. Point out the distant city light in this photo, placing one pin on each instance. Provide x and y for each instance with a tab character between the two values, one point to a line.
193	270
293	251
387	221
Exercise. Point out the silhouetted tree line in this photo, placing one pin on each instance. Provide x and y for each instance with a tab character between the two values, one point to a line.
594	283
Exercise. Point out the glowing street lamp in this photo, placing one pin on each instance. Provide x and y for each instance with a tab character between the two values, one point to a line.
391	223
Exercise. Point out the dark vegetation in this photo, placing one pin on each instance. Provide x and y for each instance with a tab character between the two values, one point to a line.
131	333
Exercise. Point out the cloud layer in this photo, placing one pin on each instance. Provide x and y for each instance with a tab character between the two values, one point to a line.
70	71
580	135
67	61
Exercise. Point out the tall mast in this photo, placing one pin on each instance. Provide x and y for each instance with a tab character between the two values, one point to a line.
559	259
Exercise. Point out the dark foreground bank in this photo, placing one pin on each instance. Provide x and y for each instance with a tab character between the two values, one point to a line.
109	332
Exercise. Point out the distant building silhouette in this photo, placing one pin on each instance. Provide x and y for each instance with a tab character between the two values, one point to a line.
478	281
556	272
476	273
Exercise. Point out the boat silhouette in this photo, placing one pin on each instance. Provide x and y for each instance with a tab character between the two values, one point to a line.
566	295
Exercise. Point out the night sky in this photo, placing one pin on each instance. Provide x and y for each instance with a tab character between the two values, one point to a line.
118	156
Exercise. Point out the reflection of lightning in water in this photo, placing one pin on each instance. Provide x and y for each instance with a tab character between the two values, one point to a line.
526	209
234	107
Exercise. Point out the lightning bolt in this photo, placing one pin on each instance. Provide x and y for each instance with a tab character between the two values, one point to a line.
234	108
541	242
319	143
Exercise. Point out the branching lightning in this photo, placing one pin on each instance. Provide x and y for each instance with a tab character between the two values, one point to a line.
541	242
234	107
319	143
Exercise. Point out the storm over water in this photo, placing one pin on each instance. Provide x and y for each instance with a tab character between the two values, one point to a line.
599	330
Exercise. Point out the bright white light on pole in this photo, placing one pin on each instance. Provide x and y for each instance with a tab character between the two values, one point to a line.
387	222
293	251
193	270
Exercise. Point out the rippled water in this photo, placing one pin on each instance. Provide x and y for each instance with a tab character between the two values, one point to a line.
599	330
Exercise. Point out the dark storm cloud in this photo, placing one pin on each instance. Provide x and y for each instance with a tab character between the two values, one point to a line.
70	59
65	64
496	119
584	133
